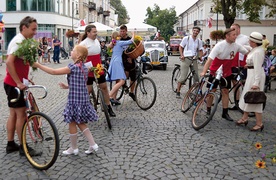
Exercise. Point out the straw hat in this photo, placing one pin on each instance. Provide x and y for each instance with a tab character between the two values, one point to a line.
256	37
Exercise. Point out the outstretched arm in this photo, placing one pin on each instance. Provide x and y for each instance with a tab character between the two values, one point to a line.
59	71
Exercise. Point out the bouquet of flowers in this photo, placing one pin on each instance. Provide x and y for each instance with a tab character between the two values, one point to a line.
137	40
98	70
27	50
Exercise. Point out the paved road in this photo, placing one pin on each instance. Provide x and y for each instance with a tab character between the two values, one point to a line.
155	144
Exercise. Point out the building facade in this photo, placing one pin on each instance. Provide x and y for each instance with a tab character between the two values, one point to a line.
200	12
54	17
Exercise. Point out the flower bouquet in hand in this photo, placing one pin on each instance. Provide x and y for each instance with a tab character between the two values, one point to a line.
98	70
27	50
136	48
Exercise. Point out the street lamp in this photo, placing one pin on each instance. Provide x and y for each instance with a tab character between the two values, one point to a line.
211	11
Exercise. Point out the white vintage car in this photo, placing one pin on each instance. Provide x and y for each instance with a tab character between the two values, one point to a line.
155	53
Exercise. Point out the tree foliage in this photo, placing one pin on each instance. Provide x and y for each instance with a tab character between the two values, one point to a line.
164	20
120	10
229	9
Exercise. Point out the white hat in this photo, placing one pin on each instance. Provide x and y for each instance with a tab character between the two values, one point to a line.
256	37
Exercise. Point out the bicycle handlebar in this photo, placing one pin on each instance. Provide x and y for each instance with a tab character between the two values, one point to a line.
29	86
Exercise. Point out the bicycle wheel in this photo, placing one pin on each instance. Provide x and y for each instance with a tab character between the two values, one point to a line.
201	117
175	77
104	108
120	92
145	93
39	133
189	98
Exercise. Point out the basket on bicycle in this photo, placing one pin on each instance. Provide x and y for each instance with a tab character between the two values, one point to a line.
137	51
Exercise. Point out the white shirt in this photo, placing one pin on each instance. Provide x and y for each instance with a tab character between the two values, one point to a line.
244	41
191	45
93	46
13	46
224	50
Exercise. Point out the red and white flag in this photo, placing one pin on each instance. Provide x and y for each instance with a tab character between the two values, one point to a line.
209	22
82	22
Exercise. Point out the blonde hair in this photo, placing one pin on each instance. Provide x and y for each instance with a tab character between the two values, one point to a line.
82	53
115	34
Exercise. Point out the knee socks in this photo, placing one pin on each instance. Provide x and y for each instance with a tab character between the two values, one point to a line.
88	136
73	139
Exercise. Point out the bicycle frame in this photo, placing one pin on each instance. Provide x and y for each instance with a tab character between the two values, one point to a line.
31	106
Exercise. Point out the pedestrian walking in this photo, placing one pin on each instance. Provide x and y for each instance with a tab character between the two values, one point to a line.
56	44
78	110
255	80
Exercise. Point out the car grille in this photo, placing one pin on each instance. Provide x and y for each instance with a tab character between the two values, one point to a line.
154	56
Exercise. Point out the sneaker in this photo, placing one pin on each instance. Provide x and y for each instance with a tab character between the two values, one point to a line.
31	151
92	149
178	95
71	151
12	148
115	102
132	96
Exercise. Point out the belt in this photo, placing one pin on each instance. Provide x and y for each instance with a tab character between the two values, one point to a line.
250	67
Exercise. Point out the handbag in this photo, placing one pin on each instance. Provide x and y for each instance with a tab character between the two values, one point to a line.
255	97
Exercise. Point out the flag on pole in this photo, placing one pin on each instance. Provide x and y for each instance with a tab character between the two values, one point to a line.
82	22
209	22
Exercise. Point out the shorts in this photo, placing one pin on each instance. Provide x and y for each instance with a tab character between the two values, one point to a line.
132	75
101	80
12	94
222	82
129	66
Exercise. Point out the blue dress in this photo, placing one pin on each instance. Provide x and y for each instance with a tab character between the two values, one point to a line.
116	67
78	108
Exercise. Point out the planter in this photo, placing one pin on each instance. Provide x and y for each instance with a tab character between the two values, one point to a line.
71	33
138	51
217	35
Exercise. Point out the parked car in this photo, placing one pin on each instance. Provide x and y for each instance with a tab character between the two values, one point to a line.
155	53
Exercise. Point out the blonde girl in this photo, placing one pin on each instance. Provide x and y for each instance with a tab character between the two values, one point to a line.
78	110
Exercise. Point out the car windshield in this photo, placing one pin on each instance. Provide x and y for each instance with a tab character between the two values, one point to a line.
155	45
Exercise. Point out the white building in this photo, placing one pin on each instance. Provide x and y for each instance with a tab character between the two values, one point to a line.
197	14
54	17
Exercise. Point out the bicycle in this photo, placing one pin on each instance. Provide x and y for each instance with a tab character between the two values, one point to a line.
39	132
176	74
145	89
205	102
94	99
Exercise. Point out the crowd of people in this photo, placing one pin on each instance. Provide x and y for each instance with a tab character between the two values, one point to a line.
237	52
234	52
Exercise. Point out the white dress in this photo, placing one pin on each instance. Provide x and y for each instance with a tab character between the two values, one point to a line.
255	77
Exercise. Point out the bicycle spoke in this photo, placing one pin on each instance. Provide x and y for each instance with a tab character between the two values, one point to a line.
145	93
40	141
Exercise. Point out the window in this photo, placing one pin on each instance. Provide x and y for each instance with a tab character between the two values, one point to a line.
38	5
11	5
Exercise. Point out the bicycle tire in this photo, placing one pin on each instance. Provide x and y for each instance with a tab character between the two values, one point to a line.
104	109
145	93
189	98
200	116
40	134
175	77
120	92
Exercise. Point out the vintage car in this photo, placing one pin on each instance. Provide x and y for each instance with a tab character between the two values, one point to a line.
155	53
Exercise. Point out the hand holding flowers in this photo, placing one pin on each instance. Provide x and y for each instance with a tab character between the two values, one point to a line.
27	50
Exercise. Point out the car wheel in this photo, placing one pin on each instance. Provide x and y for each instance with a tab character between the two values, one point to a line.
164	67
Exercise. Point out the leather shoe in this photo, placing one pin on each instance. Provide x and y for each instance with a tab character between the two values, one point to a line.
233	108
110	111
227	117
114	102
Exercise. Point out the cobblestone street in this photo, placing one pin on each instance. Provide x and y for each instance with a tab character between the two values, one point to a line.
159	143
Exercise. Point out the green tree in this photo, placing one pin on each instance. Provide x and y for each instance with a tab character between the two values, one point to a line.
164	20
229	9
120	10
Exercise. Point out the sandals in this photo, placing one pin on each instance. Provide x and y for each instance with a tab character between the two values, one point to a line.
242	121
257	127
